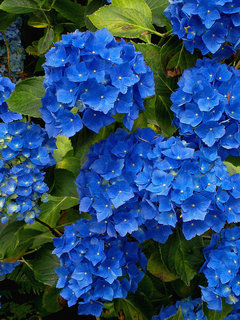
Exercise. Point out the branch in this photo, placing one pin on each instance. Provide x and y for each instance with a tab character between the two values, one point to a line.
55	232
8	55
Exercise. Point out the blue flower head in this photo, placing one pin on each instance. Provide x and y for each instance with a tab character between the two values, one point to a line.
221	269
143	184
206	25
25	150
89	78
96	268
206	106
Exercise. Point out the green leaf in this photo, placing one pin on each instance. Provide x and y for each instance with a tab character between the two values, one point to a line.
64	145
42	238
18	7
159	269
216	315
130	310
71	164
109	311
181	58
45	42
24	277
139	5
91	8
37	20
50	300
156	57
177	316
50	211
158	108
26	97
71	11
182	257
231	168
158	7
6	19
129	19
44	265
64	184
164	116
152	54
9	237
15	240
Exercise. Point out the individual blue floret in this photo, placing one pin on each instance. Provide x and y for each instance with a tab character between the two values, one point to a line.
210	26
206	107
96	268
143	184
25	150
221	268
89	78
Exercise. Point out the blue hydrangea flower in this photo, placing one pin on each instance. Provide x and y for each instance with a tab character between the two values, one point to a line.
17	53
206	106
206	25
96	268
221	269
89	78
191	310
143	184
6	87
25	150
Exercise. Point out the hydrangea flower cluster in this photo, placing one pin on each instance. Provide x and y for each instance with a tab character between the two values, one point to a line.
7	267
25	150
96	268
206	106
17	53
143	184
221	268
191	310
95	76
6	87
210	26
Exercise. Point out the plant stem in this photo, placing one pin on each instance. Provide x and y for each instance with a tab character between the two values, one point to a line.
121	315
46	17
8	55
29	252
55	232
24	261
238	65
161	34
